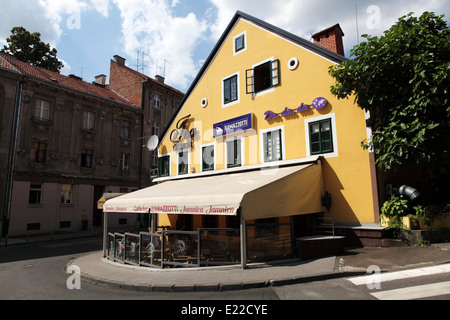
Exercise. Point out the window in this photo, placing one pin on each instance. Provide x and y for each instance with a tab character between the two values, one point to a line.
272	145
234	153
183	162
66	194
230	93
125	131
86	158
157	101
154	158
42	110
208	158
263	77
35	194
239	43
125	162
321	137
88	120
38	152
164	166
156	128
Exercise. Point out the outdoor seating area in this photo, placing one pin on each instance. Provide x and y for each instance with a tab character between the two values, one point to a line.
170	248
205	247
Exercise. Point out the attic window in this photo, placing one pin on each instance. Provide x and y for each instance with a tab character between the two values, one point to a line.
240	43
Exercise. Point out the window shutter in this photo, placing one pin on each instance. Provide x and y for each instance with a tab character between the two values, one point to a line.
250	81
275	73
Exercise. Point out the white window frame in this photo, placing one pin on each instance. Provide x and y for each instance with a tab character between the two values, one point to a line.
66	194
238	90
213	144
43	108
332	117
157	101
88	120
125	159
283	143
239	137
156	128
170	163
268	90
245	43
188	160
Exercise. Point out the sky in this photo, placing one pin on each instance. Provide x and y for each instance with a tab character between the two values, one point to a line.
173	38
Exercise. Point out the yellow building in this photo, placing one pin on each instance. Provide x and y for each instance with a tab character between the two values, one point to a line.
260	144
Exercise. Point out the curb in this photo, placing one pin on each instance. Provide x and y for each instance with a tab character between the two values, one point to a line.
216	287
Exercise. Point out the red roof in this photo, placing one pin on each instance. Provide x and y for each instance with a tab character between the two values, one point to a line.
10	63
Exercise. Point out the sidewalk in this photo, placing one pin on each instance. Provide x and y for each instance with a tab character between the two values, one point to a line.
95	269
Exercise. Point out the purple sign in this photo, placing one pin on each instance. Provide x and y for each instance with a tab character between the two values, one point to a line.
231	126
318	103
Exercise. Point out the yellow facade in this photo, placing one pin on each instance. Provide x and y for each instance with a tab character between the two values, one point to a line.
346	170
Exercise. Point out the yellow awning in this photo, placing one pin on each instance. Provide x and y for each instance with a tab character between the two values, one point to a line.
267	193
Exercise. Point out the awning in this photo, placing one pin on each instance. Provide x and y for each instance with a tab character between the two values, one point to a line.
268	193
105	197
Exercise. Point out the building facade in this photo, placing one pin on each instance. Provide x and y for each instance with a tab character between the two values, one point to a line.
283	83
157	100
260	145
64	143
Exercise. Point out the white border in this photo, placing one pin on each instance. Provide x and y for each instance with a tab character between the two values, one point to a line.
261	143
245	43
296	63
238	90
170	163
201	155
265	91
188	164
241	137
331	116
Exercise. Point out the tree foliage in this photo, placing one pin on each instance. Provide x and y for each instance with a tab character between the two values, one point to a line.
402	78
29	48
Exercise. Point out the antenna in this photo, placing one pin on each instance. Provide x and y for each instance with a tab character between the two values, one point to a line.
162	68
357	24
140	66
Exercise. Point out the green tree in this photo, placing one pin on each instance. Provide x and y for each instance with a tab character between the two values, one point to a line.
403	78
28	47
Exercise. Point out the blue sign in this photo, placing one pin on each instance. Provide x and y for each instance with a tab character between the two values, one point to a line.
231	126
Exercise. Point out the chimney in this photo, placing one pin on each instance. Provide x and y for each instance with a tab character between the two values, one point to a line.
119	60
72	76
100	80
331	39
159	78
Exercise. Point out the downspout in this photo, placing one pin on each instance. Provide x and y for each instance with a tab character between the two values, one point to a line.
11	161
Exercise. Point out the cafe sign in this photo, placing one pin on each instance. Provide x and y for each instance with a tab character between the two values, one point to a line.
234	125
318	103
181	136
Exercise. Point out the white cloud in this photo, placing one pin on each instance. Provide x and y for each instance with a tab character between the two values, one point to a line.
48	17
152	27
304	17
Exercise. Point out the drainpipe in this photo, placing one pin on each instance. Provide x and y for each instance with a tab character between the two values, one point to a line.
11	161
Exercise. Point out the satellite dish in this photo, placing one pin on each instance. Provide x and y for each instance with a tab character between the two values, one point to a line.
152	143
